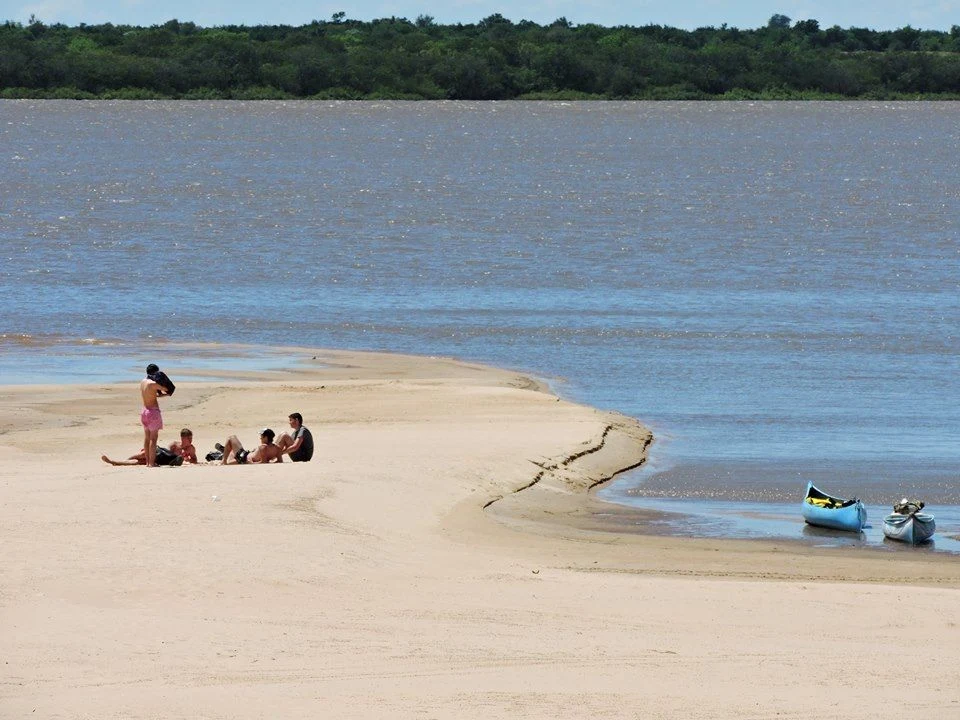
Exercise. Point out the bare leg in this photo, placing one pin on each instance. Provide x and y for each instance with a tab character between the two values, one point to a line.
230	447
135	460
150	447
284	441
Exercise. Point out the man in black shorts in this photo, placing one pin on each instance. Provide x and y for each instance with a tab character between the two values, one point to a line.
299	445
266	452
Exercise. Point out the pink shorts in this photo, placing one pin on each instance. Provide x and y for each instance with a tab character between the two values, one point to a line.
151	419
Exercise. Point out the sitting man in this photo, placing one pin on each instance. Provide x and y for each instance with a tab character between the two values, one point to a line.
298	446
177	454
185	448
265	453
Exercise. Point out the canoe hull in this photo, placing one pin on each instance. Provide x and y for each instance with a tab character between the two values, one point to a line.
912	529
851	517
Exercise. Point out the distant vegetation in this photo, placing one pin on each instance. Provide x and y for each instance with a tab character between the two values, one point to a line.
495	59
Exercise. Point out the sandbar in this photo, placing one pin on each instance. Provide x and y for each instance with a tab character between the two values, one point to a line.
443	556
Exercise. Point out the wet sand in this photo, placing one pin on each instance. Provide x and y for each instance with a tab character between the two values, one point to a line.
444	555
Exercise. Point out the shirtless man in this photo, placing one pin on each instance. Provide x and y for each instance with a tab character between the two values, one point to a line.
177	454
265	453
150	416
185	448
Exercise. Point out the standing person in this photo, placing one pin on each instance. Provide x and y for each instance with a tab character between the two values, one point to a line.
150	417
298	446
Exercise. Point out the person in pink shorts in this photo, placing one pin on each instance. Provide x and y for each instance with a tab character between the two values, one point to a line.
150	417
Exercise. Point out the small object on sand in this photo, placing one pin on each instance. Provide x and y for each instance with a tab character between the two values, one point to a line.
216	498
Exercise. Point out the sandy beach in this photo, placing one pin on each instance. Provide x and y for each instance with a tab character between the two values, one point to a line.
442	556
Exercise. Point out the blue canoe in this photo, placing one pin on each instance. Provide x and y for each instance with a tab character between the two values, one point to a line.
832	512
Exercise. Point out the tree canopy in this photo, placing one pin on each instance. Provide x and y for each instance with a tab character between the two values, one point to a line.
494	59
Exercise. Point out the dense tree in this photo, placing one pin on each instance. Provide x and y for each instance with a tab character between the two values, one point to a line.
778	21
491	60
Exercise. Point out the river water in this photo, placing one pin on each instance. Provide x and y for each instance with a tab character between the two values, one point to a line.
772	287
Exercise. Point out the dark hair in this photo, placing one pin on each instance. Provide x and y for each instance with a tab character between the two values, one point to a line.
296	416
268	433
186	431
151	368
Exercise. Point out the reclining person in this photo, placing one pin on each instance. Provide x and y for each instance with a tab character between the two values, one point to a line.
177	453
265	453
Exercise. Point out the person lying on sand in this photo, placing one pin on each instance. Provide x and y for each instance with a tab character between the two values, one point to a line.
265	453
178	453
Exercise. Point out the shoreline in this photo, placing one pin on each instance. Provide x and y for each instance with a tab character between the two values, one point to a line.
560	497
442	555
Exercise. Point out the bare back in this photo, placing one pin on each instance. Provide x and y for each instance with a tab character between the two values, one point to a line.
148	390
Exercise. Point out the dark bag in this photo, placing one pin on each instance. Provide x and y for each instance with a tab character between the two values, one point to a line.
214	455
161	379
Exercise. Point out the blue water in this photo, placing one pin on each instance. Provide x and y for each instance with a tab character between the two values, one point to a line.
773	287
783	521
62	360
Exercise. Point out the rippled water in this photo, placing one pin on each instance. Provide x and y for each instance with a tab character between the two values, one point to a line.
773	287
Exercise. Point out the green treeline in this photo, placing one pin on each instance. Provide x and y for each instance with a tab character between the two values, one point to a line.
495	59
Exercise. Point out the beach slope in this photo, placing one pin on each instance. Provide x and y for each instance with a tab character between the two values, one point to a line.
442	557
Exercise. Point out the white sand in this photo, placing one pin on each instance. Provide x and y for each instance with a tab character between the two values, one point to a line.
372	583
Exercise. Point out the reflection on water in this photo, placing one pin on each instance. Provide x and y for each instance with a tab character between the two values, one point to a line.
783	521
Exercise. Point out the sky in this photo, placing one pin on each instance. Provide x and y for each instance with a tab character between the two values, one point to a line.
686	14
